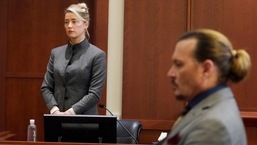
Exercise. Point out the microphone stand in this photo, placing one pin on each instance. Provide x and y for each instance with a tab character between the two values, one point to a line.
102	106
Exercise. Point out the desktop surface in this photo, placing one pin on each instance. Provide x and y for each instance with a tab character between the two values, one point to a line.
53	143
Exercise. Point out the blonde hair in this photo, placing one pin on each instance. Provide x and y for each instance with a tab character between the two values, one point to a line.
233	64
81	11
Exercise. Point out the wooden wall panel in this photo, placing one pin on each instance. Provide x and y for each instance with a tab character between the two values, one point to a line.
150	31
34	28
100	34
24	102
251	135
100	21
237	20
3	24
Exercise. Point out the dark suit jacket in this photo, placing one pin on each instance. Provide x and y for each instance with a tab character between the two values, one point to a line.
75	81
215	120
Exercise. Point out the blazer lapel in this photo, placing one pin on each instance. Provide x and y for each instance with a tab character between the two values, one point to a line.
198	110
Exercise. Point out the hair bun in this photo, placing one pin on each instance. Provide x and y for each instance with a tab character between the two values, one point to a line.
83	7
241	63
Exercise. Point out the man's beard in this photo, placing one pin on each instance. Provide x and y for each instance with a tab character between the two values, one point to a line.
179	97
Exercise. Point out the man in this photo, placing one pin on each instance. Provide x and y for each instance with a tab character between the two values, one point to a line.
203	63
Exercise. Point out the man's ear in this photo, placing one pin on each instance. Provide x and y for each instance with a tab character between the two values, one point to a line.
208	67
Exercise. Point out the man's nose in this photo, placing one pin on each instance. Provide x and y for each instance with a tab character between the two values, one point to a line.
170	72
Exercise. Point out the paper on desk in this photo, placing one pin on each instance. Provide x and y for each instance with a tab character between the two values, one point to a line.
162	136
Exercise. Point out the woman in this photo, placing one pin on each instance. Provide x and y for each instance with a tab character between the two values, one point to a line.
76	72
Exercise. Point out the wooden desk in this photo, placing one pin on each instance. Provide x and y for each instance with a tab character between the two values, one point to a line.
249	118
53	143
4	135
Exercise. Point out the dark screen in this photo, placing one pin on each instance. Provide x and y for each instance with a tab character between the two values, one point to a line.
80	128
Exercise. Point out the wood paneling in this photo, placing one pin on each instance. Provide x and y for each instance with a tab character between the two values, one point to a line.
24	102
100	21
48	143
34	28
150	31
237	20
100	34
3	24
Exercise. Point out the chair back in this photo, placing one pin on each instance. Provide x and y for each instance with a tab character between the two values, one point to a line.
133	126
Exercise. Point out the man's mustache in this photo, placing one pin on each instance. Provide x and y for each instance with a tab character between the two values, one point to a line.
173	81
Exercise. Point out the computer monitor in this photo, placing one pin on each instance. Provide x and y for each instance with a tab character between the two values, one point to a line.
80	128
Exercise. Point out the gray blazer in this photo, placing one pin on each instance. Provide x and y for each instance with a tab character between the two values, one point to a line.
215	120
75	81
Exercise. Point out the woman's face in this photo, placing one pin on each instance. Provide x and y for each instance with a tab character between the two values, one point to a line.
74	27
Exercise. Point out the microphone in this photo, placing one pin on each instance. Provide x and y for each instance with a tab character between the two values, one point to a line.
102	106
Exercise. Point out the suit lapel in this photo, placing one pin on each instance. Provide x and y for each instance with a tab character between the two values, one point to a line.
199	109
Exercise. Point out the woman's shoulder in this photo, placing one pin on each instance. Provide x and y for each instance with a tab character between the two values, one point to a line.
60	48
94	49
